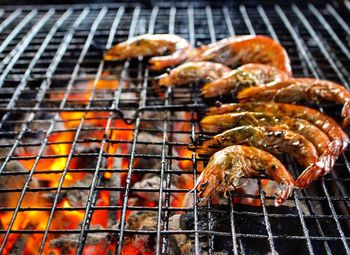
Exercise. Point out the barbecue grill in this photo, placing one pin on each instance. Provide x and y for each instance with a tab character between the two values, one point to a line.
65	134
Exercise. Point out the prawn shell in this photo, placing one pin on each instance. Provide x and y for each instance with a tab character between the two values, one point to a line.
228	169
295	90
245	76
193	72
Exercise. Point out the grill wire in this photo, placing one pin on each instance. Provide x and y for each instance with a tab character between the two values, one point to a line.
48	50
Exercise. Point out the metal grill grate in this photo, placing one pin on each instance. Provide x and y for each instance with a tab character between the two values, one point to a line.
48	56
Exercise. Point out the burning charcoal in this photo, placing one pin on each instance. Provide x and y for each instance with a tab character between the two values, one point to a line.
146	241
153	147
179	243
68	242
76	197
86	148
150	149
142	221
151	183
136	218
6	145
15	181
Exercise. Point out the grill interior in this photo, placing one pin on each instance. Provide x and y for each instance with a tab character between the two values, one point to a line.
52	56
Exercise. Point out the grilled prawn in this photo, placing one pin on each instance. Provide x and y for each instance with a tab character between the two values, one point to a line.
293	90
238	50
167	49
193	72
222	122
272	139
339	140
229	168
248	75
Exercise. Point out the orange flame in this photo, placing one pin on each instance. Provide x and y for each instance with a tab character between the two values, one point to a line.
55	157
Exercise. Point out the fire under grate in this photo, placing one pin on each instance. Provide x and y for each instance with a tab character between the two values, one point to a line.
93	155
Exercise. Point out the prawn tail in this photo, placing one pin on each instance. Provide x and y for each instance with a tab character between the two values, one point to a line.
336	147
283	191
323	166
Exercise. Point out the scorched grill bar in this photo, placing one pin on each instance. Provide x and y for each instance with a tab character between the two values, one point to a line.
94	157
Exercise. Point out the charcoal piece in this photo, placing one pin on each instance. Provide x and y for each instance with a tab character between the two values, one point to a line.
179	243
15	181
148	145
280	226
67	242
151	146
152	183
142	220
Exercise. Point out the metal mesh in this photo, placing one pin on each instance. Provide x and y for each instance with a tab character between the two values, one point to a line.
50	57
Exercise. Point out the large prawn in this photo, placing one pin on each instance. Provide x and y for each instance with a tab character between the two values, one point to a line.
275	140
225	121
294	90
194	72
229	168
247	75
339	140
239	50
167	49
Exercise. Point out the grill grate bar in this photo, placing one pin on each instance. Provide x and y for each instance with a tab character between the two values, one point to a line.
321	46
246	19
330	31
191	30
317	76
228	21
121	226
63	55
167	171
92	196
77	133
9	19
341	22
212	33
173	232
341	77
14	55
296	197
18	28
44	87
